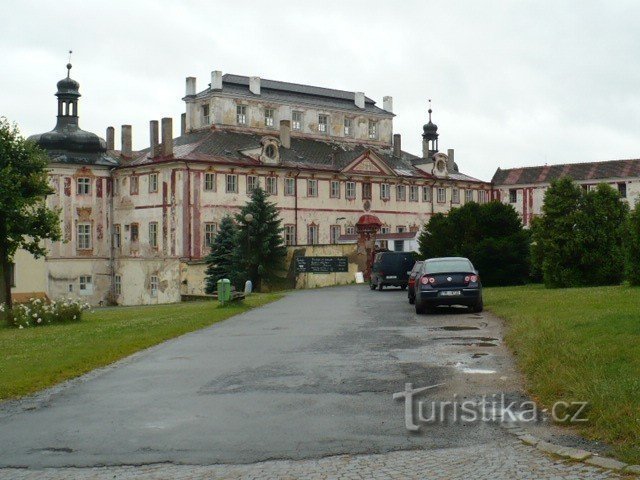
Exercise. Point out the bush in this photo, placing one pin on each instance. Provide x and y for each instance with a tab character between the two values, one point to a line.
37	312
490	235
632	247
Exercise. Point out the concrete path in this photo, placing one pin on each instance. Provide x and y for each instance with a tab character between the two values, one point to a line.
278	388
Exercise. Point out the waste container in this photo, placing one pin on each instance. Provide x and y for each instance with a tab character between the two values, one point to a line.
224	290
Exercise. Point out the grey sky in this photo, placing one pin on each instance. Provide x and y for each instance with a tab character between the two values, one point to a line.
513	83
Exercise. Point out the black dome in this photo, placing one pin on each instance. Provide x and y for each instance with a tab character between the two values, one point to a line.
68	86
70	138
430	127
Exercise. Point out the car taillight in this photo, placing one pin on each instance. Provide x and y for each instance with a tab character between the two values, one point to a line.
424	280
471	278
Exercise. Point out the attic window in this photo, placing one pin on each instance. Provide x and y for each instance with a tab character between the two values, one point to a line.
270	151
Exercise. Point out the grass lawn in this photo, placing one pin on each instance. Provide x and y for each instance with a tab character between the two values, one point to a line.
580	344
36	358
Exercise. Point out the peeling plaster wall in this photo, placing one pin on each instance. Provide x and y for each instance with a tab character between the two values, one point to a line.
136	277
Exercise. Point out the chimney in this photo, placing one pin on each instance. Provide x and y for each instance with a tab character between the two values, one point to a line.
153	138
111	135
359	99
216	80
285	133
397	145
167	137
451	161
254	85
126	150
191	86
387	104
183	124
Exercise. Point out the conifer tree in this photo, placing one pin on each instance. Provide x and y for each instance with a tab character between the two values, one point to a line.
220	259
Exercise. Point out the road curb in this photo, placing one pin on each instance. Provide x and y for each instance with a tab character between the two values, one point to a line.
570	453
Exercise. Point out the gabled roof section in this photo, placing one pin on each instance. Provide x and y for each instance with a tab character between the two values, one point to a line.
369	163
277	91
577	171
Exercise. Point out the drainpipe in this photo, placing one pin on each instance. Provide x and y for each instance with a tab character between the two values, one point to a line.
295	208
188	200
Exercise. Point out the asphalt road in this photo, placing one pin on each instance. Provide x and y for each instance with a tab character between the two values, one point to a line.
309	376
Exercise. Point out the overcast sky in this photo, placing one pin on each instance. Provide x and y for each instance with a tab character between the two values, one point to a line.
513	83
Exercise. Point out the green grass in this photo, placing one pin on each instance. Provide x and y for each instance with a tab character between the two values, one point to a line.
580	344
36	358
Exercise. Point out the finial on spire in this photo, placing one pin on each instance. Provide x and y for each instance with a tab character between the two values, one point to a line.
69	64
430	110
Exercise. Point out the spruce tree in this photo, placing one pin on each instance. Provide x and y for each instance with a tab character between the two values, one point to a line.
260	248
220	259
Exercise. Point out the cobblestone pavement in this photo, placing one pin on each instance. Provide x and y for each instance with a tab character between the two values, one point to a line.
493	461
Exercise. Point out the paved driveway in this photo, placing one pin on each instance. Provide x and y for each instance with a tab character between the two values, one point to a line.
307	377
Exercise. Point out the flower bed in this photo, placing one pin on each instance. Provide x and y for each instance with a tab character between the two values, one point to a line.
37	312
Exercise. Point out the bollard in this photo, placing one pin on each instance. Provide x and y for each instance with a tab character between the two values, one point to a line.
248	287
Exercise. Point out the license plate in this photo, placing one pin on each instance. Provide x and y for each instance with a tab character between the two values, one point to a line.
450	293
392	276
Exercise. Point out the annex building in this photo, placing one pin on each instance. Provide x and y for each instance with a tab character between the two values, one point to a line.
137	224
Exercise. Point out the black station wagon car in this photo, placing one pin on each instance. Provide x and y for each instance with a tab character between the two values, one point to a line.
391	269
448	281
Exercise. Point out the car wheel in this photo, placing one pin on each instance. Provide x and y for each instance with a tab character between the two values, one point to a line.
420	307
380	286
372	285
478	307
412	299
403	287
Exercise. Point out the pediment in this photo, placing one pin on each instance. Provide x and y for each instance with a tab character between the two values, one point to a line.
369	164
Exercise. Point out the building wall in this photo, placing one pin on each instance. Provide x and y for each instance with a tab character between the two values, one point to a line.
30	273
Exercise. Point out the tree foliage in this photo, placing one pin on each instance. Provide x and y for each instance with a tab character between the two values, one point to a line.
632	246
25	219
220	259
490	235
260	249
579	238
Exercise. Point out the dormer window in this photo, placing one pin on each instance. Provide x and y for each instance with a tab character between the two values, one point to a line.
241	114
323	123
268	117
270	151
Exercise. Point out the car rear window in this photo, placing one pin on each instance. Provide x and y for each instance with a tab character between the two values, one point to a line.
453	265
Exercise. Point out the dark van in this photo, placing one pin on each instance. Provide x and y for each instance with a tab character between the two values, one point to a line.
391	269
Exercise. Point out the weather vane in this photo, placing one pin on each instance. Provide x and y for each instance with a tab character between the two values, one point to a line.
69	64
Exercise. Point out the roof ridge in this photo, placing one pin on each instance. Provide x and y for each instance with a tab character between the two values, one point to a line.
575	163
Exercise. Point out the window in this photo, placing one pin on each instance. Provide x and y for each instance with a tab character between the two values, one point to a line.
117	285
205	115
210	182
210	231
413	193
312	188
323	123
442	195
153	285
153	182
468	195
83	186
398	245
134	232
401	229
366	191
622	189
351	230
153	234
335	189
241	114
373	129
348	129
290	234
296	120
513	195
268	117
385	229
312	234
116	236
482	196
270	151
272	185
401	193
253	182
385	191
455	195
133	185
84	236
86	287
232	183
334	233
350	190
289	186
426	193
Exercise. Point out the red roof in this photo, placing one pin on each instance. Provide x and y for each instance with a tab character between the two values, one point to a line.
369	220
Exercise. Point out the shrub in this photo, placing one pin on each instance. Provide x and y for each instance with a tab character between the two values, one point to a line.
37	312
632	247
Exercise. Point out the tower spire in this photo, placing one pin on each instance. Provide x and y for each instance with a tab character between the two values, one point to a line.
430	111
69	64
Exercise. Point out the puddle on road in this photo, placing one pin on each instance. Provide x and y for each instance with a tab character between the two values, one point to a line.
455	328
475	344
478	355
464	369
